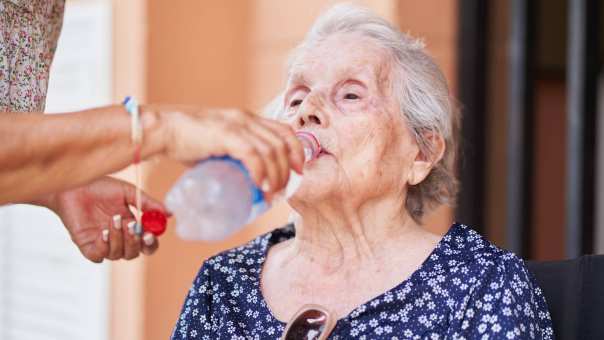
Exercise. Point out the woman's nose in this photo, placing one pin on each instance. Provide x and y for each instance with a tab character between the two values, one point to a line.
311	114
308	118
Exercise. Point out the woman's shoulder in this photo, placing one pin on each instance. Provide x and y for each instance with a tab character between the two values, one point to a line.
247	258
228	278
463	249
491	289
484	270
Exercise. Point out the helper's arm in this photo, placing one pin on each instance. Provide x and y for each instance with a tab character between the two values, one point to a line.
40	154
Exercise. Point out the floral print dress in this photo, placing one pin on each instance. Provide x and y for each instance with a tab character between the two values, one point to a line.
29	31
467	288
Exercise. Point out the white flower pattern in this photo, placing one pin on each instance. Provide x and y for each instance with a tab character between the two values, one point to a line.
466	289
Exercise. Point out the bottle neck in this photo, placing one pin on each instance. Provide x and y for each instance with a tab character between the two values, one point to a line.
311	145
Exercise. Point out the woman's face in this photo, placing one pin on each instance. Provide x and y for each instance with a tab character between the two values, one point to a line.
340	90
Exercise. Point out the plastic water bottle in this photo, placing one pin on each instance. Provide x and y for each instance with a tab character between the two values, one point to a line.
217	197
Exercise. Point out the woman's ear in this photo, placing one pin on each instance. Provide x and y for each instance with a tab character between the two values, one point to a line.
425	160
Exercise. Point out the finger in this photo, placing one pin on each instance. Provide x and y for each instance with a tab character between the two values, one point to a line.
131	227
150	243
269	158
99	248
296	151
132	244
279	150
238	146
116	240
235	115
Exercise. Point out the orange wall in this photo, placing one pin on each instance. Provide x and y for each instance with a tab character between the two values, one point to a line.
196	55
232	53
436	22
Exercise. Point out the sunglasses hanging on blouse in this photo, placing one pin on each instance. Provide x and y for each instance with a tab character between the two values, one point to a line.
311	322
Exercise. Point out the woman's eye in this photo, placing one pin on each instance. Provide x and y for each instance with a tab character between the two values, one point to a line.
295	102
351	96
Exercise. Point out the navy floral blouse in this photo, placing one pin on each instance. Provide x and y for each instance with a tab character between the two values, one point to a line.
466	289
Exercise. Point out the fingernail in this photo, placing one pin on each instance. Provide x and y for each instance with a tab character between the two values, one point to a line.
117	221
265	186
131	227
105	235
148	238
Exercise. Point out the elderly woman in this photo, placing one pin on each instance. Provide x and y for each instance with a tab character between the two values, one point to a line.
358	263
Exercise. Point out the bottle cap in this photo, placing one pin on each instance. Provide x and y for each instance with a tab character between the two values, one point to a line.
154	221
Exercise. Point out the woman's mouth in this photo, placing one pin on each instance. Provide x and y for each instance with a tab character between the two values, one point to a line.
324	152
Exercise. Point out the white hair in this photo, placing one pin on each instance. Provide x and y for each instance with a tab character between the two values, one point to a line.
420	88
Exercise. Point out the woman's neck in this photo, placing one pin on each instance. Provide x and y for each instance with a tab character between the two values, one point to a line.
335	237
